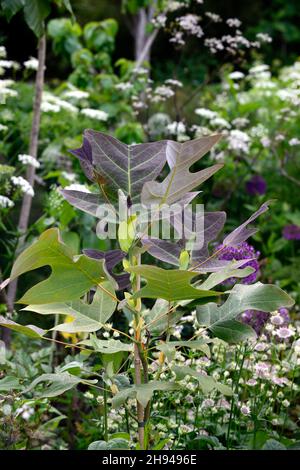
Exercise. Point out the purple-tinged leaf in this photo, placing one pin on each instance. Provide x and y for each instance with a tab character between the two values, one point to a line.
163	250
120	166
205	226
87	202
84	154
112	258
180	180
215	265
242	233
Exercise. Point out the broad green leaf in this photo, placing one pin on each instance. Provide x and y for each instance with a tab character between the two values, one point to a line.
116	443
206	383
168	284
107	346
158	320
58	384
28	330
217	278
180	157
35	13
272	444
86	317
71	277
11	7
233	331
243	297
9	383
143	393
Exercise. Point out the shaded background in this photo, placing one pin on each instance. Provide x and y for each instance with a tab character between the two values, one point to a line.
279	18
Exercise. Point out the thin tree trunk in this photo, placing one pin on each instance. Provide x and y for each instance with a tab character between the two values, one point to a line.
30	173
142	40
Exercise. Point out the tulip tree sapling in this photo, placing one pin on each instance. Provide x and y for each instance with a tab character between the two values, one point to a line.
86	287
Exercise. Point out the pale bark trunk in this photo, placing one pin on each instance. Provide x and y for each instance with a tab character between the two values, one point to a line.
30	173
142	39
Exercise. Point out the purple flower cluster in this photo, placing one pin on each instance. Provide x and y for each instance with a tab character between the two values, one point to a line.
256	185
291	232
258	319
241	251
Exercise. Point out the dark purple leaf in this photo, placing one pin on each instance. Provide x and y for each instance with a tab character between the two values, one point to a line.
87	202
121	166
112	258
242	233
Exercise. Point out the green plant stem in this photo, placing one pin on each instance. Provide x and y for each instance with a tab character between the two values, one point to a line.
105	415
232	400
138	355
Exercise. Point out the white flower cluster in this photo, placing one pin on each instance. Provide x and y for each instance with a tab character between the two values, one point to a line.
23	184
214	17
77	187
162	93
233	22
8	64
124	86
31	64
28	160
179	130
236	75
263	37
160	21
190	24
206	113
6	91
2	52
76	94
238	140
54	104
26	411
97	114
5	202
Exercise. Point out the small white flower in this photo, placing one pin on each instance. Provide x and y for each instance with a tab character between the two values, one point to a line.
23	184
238	140
208	403
31	64
28	160
245	410
251	382
124	86
233	22
49	107
76	94
263	37
78	187
294	141
277	320
240	122
3	128
2	52
206	113
95	114
284	333
5	202
236	75
220	122
265	142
